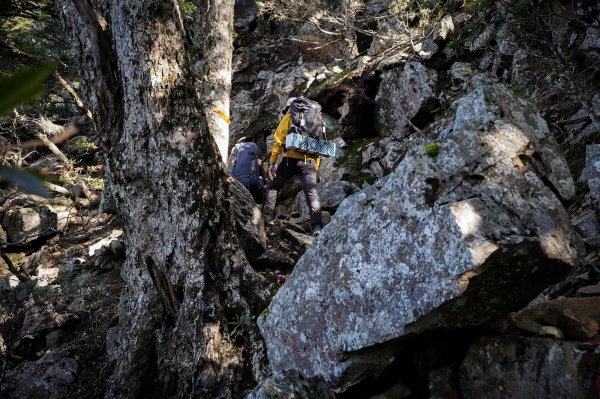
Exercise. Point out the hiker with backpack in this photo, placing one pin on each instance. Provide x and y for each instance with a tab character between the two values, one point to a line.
245	166
300	116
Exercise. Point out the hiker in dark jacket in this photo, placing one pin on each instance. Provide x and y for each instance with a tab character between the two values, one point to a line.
300	164
245	166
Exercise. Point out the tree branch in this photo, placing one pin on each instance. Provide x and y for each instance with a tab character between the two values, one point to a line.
20	273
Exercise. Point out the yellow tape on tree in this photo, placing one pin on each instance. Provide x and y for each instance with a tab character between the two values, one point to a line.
222	115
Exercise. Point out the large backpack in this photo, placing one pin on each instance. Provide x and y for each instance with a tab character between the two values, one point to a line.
245	166
306	118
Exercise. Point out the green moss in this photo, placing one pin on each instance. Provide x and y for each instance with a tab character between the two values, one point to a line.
352	161
517	89
432	149
337	79
16	259
265	313
188	7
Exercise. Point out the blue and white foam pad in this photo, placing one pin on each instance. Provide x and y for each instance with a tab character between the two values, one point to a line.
309	145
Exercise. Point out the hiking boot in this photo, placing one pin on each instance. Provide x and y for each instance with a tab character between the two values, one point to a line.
269	221
316	230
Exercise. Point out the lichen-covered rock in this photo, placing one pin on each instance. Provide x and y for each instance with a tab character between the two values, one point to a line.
331	195
290	384
451	240
461	73
402	94
529	368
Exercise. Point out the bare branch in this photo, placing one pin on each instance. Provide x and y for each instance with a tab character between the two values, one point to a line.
20	273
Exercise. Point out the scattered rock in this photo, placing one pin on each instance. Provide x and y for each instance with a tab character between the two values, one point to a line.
529	368
443	29
24	225
590	290
274	260
461	74
578	318
290	384
442	384
591	172
46	378
551	332
586	223
303	240
331	195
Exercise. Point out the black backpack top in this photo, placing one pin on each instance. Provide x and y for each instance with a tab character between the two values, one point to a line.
306	118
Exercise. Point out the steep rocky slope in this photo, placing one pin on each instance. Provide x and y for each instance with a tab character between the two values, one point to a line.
462	252
435	110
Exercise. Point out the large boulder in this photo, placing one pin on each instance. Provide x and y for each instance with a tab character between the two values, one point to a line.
451	240
402	94
518	367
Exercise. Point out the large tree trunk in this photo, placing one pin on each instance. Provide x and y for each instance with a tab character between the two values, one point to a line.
214	41
184	274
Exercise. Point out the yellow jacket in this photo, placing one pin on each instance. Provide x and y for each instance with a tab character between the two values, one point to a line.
279	143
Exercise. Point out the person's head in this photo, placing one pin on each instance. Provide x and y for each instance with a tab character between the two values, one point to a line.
288	104
246	139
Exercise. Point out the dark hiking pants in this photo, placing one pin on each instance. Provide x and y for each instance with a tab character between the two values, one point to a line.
256	188
307	173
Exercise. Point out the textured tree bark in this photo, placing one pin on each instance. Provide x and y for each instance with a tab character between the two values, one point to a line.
214	40
184	274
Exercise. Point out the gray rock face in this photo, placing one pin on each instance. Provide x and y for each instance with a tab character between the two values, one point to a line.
331	195
249	222
591	173
244	14
587	223
529	369
46	378
291	384
402	93
318	46
438	238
